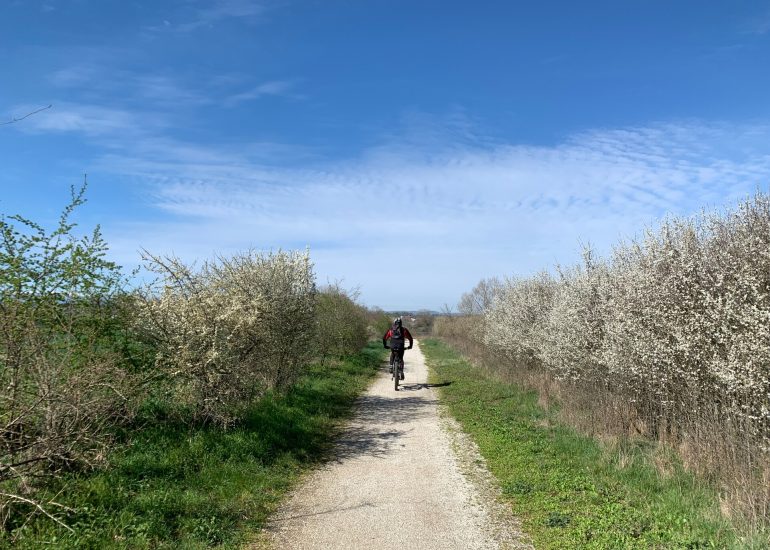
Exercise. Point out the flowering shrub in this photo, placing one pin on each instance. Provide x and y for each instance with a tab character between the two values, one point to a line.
232	329
671	333
514	324
679	320
572	335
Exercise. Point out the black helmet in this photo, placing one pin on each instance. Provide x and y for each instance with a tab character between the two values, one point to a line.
397	322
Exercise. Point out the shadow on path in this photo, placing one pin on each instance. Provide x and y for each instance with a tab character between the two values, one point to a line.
378	422
419	386
278	520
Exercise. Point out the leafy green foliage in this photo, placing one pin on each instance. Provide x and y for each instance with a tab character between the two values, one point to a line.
63	372
379	322
341	323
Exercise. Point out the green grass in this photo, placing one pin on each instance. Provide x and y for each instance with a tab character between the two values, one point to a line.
176	486
568	490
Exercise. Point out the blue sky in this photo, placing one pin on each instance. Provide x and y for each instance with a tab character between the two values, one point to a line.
415	147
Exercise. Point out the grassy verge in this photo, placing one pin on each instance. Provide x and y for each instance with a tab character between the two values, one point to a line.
172	486
571	491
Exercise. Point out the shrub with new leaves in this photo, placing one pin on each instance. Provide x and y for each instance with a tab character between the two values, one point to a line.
231	330
379	322
341	323
62	375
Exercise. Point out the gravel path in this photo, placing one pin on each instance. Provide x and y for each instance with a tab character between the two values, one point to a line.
398	480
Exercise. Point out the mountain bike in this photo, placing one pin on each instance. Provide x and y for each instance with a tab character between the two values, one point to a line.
396	367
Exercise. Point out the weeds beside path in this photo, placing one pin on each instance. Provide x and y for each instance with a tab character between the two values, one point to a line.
568	490
170	485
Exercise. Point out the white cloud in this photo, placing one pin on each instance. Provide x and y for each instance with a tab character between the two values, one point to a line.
101	81
130	87
441	218
72	76
165	90
216	11
91	121
759	24
270	88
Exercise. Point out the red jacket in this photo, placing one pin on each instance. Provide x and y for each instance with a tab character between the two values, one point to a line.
407	336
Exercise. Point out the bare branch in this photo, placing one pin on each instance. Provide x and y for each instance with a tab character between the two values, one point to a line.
43	510
15	119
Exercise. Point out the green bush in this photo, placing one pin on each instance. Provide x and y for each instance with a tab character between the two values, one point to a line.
68	366
341	323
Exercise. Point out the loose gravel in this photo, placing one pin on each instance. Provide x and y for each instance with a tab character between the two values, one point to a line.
402	477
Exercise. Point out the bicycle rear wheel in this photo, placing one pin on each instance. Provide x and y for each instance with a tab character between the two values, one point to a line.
396	365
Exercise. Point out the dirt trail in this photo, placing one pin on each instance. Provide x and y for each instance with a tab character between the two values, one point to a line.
396	481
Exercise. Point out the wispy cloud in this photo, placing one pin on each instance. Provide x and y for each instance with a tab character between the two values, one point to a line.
93	121
460	205
759	24
100	80
211	12
271	88
166	90
103	82
74	75
469	210
220	9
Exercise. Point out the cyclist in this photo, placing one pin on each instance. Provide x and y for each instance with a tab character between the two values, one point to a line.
397	335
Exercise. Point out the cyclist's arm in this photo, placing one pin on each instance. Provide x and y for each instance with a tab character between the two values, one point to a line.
408	336
385	339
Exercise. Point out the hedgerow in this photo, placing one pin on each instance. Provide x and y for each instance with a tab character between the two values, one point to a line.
82	354
667	337
341	323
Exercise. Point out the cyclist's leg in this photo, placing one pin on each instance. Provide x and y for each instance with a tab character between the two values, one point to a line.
401	363
392	358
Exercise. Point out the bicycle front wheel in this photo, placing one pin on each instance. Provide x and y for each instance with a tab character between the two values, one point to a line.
396	374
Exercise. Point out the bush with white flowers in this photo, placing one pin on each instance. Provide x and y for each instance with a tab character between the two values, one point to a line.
232	329
678	321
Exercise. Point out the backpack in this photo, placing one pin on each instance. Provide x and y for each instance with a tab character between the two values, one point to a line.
397	338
